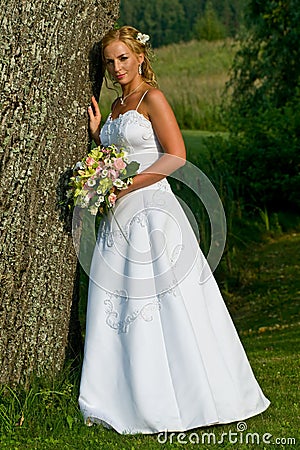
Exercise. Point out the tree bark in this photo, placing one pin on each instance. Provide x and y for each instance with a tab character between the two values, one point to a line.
49	68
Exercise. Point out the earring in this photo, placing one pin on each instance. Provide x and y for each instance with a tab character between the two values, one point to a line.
140	69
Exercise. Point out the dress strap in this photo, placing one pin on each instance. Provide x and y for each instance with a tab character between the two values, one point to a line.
142	98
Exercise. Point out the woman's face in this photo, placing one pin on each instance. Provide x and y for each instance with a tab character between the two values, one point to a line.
121	62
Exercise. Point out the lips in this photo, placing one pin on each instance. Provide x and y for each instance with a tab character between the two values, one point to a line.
119	77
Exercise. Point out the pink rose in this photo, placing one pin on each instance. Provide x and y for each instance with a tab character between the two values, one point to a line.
113	174
119	164
112	198
90	161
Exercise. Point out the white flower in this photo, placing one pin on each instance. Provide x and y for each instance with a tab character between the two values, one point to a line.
82	203
104	173
91	182
118	183
93	210
79	165
99	191
99	201
84	199
143	38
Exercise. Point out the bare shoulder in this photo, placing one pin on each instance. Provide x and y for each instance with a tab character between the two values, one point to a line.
156	103
154	95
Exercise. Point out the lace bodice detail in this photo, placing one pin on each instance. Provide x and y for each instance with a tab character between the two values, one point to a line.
133	132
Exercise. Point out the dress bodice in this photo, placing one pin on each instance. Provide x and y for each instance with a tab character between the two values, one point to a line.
134	133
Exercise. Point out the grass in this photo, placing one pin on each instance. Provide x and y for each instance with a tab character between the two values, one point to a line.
264	309
271	284
192	75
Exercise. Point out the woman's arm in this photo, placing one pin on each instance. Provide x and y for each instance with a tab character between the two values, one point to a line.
164	123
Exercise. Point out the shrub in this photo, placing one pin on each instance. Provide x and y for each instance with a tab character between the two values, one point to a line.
209	26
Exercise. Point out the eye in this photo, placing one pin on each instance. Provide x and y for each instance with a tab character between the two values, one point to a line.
123	58
109	61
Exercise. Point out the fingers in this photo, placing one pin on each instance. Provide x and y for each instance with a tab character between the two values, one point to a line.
94	119
93	109
96	106
90	112
94	101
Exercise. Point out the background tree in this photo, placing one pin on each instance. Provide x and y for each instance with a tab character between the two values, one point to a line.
266	69
47	75
208	25
174	21
163	19
230	13
264	112
193	9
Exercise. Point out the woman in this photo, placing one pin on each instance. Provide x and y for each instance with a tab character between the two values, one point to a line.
161	351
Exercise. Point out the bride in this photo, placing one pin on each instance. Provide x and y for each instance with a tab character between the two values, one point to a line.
161	351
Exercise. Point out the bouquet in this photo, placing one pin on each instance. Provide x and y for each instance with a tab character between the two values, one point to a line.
98	177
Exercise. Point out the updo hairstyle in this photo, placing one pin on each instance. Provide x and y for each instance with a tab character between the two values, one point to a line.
128	35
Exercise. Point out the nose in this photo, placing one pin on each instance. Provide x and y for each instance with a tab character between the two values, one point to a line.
116	66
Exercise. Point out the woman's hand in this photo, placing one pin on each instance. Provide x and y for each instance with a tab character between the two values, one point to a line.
95	120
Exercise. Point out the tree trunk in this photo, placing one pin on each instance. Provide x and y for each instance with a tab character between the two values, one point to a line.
48	69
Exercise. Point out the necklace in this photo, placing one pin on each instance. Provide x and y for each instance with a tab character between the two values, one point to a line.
122	99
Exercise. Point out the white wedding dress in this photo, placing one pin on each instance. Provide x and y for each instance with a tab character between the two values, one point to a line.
161	351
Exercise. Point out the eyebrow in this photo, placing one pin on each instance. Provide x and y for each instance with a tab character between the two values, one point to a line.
120	56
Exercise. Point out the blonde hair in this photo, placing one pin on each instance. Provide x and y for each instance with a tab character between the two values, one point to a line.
128	35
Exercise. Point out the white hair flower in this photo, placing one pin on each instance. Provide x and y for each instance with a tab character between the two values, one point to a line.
143	38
